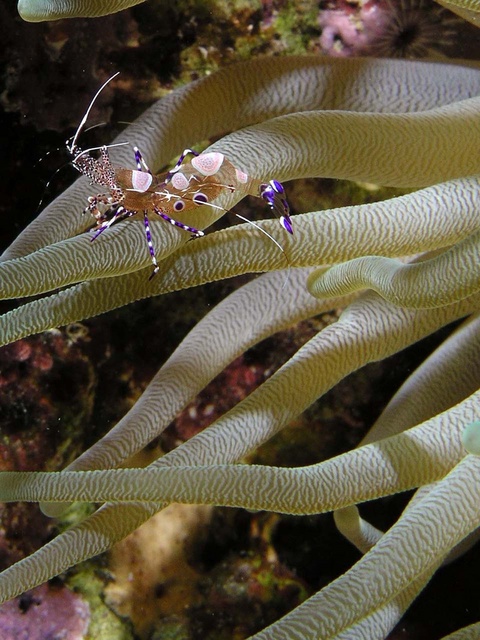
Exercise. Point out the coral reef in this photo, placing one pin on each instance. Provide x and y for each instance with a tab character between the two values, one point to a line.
45	612
152	577
38	10
390	29
46	392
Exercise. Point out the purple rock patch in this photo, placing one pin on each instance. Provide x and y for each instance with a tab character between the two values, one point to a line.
49	612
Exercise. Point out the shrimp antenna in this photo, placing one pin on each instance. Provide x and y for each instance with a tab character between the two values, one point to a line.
73	145
103	146
254	224
274	242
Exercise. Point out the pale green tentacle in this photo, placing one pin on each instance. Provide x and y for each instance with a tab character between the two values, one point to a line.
430	218
251	92
471	438
40	10
356	146
260	308
369	329
316	367
381	621
270	303
447	376
466	9
422	536
472	5
323	361
355	529
416	457
444	279
100	531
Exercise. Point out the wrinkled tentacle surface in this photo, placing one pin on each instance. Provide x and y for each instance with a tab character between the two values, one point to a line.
337	118
423	534
320	238
429	389
467	9
306	490
451	276
39	10
337	350
244	318
255	92
471	632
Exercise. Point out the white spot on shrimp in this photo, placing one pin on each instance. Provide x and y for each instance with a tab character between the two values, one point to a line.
241	176
141	180
208	164
179	181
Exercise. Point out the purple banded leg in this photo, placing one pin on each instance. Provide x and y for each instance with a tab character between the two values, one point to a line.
185	153
108	223
141	164
150	245
274	194
195	232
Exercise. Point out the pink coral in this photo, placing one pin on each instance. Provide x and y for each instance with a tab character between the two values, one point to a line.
347	30
387	28
45	612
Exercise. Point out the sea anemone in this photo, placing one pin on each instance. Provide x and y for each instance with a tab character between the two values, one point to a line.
401	123
413	29
390	29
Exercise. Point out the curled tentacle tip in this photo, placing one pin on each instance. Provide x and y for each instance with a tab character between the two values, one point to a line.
313	282
471	438
53	509
42	10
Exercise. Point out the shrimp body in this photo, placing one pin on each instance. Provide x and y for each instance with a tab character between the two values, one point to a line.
193	184
184	188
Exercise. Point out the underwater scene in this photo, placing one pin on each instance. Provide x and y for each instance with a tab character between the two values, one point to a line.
239	320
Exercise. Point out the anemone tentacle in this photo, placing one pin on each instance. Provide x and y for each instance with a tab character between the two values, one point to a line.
453	133
441	280
434	108
467	633
428	390
305	490
251	314
40	10
256	91
337	350
378	624
466	9
422	535
430	218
